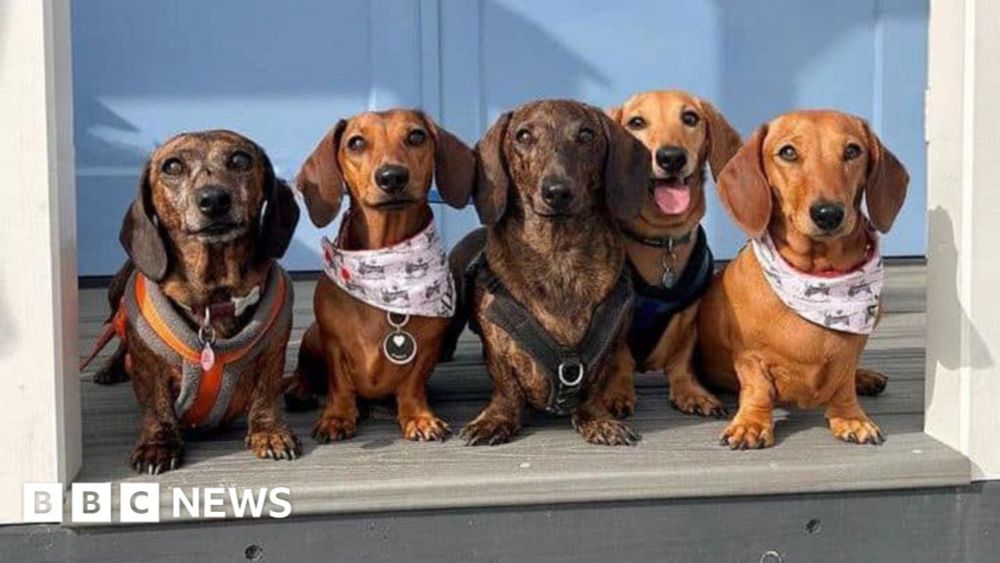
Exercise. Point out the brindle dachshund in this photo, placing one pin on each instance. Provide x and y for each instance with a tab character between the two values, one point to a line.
800	179
554	176
386	160
207	224
683	134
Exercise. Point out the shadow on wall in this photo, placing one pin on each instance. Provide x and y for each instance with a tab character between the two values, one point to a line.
951	313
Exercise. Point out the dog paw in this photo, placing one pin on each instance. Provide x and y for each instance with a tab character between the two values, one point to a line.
333	429
621	405
425	429
274	444
857	431
742	434
606	432
869	383
154	456
693	399
489	431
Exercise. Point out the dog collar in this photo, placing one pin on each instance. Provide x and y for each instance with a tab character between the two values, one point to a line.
848	302
659	242
408	278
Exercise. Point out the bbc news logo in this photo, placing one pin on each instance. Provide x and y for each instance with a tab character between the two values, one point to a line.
142	503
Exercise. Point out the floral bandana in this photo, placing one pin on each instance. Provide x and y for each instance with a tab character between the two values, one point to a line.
409	278
847	303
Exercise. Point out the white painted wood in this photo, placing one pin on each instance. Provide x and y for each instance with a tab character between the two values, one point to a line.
963	313
39	387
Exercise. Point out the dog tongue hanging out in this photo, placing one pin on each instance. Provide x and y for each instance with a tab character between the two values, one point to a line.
670	259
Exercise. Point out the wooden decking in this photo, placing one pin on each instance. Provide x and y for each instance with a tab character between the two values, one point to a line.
679	455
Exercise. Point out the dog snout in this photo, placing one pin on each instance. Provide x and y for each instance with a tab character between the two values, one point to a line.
214	202
827	216
557	194
672	159
392	178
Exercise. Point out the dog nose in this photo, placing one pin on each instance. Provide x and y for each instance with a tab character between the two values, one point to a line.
557	195
827	216
392	178
671	158
214	202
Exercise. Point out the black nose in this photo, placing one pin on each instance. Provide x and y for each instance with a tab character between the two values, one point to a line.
392	178
557	194
827	216
672	159
214	202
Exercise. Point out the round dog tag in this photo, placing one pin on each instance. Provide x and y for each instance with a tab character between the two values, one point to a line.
399	346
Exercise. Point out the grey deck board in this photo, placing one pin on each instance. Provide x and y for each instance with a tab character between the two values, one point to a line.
679	456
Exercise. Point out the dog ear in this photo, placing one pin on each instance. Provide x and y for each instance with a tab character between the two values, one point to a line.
744	189
320	179
454	165
140	235
723	139
492	179
626	170
885	188
280	214
615	113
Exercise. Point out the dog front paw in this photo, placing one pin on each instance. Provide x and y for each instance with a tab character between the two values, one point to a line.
694	399
605	431
276	444
486	430
156	454
333	429
857	431
869	383
744	434
425	429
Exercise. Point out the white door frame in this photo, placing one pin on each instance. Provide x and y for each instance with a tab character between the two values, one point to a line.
40	395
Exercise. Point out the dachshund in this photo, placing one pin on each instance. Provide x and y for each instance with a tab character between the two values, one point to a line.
551	296
667	249
203	309
386	160
796	188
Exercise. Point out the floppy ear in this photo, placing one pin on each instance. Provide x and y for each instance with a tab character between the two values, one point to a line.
320	179
140	235
744	189
615	113
723	139
492	180
454	165
626	170
885	188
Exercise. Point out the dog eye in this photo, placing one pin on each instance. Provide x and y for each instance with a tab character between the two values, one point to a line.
852	151
416	138
690	118
636	123
524	137
172	166
585	136
788	153
356	143
240	160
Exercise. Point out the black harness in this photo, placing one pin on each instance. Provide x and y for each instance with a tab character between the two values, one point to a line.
655	305
567	367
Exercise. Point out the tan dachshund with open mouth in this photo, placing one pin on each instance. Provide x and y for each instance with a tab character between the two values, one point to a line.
786	321
667	249
387	297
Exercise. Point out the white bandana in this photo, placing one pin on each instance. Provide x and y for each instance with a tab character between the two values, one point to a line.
409	278
847	303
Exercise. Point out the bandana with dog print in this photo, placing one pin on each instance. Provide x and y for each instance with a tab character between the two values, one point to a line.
409	278
847	303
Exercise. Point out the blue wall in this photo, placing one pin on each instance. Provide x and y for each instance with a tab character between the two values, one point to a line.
282	71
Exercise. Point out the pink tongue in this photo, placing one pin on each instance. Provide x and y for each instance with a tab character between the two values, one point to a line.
672	199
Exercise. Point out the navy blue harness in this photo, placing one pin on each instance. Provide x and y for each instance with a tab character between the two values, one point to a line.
655	306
